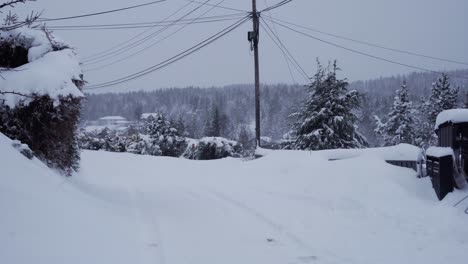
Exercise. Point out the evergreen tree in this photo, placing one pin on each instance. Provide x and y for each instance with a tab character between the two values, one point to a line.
399	127
244	138
326	119
443	97
213	125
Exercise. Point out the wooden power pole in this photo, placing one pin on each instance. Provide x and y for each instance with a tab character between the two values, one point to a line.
253	38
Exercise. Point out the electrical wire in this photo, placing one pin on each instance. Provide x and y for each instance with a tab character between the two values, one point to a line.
221	7
147	26
372	44
175	58
276	6
101	13
365	54
141	41
288	56
136	36
155	43
142	24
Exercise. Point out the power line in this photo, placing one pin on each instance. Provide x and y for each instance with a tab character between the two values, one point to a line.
175	58
374	45
276	6
285	56
136	36
220	6
155	43
365	54
143	40
142	24
288	56
100	13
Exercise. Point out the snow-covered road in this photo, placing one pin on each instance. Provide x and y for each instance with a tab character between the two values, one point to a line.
288	207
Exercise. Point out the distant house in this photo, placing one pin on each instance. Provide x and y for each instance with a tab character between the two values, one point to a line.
112	121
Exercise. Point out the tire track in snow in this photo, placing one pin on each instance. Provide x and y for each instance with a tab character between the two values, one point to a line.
149	233
301	244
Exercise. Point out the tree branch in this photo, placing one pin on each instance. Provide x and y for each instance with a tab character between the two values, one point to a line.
12	3
16	93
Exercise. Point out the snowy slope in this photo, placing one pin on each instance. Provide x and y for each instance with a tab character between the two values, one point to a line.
45	219
288	207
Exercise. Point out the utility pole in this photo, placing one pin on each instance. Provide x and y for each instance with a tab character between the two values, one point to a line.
253	37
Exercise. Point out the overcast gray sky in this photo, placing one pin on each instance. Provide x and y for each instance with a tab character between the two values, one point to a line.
432	27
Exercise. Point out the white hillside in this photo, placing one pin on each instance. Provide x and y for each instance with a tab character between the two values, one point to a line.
288	207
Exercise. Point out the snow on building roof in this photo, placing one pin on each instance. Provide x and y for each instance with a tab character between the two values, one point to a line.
147	115
453	116
439	152
47	72
112	118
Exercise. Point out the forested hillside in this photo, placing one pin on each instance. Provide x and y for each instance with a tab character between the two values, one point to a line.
196	106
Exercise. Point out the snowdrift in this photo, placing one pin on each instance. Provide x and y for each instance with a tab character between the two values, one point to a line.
45	219
288	207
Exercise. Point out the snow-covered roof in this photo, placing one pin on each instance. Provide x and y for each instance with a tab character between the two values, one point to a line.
147	115
453	116
112	118
47	72
439	152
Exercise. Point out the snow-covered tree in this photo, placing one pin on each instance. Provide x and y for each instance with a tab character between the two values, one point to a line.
326	119
443	97
399	127
164	135
213	124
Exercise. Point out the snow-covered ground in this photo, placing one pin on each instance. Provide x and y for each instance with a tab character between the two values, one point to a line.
288	207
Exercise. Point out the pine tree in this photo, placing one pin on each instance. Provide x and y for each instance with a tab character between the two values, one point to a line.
443	97
326	119
213	125
244	137
399	127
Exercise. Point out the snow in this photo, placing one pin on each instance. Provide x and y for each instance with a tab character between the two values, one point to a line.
287	207
47	73
147	115
113	118
453	116
397	153
439	152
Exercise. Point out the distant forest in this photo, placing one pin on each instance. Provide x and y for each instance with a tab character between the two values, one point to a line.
194	106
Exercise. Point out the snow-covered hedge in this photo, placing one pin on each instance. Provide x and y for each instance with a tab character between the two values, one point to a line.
210	148
40	95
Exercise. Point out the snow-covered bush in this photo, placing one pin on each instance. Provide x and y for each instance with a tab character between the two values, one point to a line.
40	94
162	133
210	148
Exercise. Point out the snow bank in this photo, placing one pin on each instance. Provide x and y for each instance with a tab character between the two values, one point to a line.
439	152
44	218
453	116
48	72
289	207
396	153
